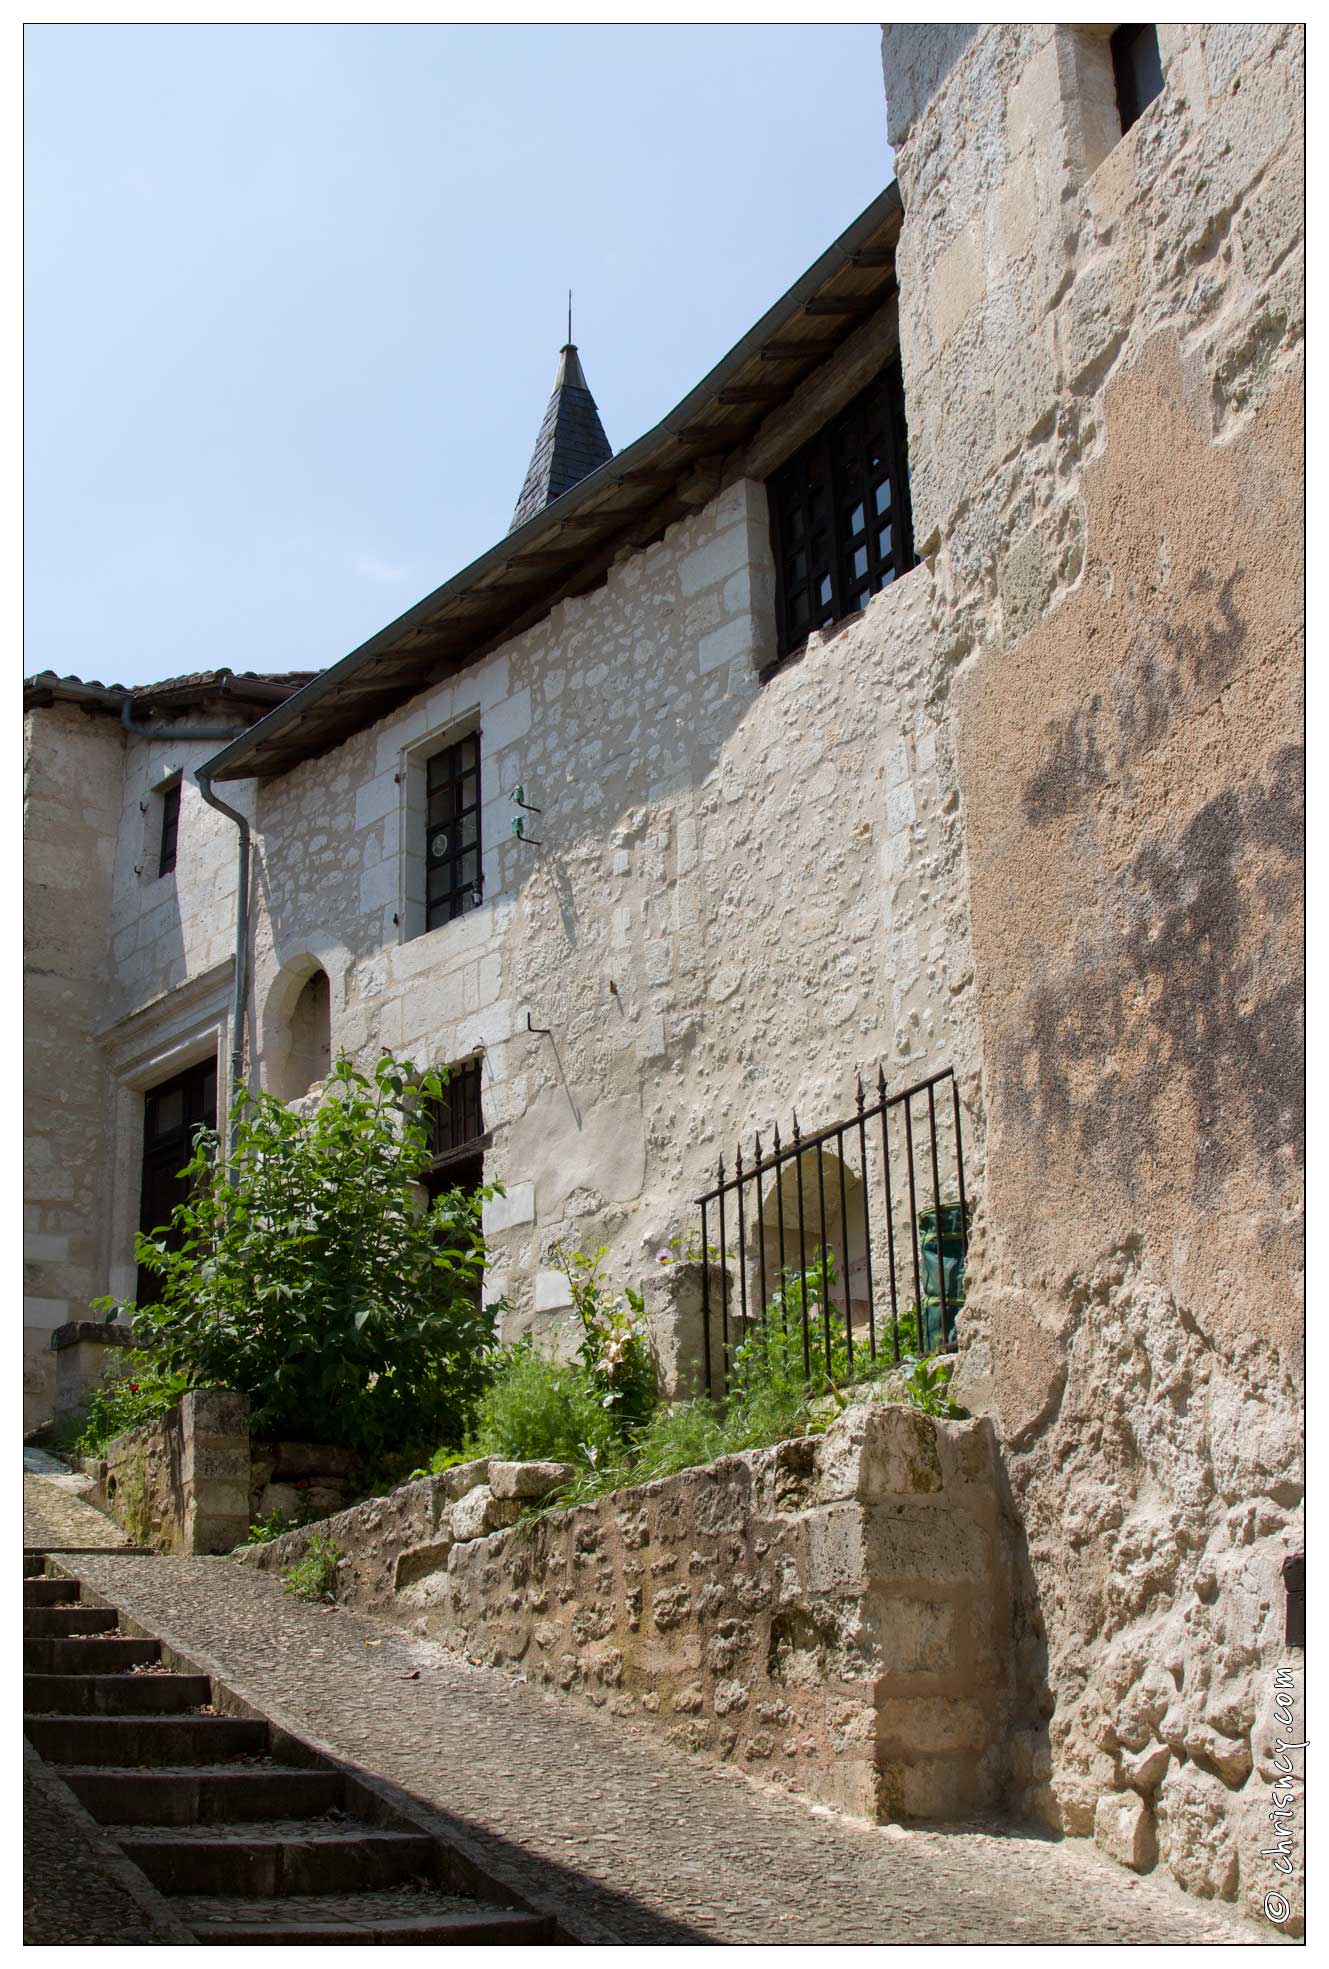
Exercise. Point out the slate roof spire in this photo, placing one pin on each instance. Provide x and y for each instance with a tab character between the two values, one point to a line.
571	444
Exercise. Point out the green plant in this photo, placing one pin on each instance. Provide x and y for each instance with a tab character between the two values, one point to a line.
304	1272
269	1528
925	1380
138	1388
314	1577
614	1348
539	1410
443	1459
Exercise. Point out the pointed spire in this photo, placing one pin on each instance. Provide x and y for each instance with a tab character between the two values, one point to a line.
571	443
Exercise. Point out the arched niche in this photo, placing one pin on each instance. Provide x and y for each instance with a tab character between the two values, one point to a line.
298	1032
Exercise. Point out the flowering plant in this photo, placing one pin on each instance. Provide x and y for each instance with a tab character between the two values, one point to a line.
614	1347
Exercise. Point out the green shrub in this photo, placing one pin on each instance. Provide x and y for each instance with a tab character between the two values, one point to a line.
304	1273
138	1388
536	1410
314	1577
614	1349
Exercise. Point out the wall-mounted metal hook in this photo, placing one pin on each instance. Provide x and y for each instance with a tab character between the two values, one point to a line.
531	1028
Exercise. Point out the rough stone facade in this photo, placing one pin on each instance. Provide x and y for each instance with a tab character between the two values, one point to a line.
831	1613
1105	403
1033	814
728	866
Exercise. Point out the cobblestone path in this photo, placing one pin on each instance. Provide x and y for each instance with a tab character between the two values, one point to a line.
641	1843
54	1514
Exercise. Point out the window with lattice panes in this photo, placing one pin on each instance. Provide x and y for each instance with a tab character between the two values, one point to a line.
452	831
840	521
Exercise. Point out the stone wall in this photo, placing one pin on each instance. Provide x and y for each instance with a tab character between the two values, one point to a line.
728	867
830	1614
193	1481
71	813
181	1484
1102	343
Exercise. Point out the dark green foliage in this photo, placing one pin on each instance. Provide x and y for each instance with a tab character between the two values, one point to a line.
304	1272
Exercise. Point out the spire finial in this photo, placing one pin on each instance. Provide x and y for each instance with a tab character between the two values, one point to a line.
569	317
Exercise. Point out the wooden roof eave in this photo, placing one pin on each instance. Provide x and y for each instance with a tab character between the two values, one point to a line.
570	545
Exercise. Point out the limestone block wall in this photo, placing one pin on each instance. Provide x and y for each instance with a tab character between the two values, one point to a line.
71	806
1102	344
169	928
194	1481
181	1484
831	1614
746	892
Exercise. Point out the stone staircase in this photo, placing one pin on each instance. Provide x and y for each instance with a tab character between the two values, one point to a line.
251	1835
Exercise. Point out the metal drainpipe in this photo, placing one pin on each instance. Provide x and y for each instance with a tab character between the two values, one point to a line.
204	784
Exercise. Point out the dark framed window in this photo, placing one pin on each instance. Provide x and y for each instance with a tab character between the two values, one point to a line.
1138	70
840	520
170	828
457	1137
452	838
172	1112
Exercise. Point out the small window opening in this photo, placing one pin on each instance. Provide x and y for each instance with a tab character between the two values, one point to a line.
457	1137
841	526
170	828
1138	69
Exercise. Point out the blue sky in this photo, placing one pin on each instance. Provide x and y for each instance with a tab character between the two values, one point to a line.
294	297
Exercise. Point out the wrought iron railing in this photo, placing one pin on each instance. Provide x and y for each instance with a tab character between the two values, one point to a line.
799	1226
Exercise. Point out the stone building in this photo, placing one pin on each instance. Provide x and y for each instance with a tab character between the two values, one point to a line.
991	764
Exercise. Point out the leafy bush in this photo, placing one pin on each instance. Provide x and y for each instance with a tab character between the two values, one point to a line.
314	1577
137	1389
304	1273
537	1410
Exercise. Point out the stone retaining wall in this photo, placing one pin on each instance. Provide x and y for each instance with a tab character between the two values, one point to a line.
830	1613
193	1481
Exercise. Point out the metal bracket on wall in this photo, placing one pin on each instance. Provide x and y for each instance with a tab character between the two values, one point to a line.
531	1028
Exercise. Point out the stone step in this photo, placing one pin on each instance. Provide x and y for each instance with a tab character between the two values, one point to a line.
42	1592
429	1915
87	1654
54	1621
184	1797
151	1740
277	1858
114	1695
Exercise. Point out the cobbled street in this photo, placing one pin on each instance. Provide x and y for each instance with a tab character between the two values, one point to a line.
631	1840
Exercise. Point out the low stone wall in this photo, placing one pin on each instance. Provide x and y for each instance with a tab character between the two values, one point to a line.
192	1481
181	1484
830	1613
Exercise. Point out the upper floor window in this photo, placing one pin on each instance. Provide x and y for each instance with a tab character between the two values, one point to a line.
840	520
452	833
1137	69
170	828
